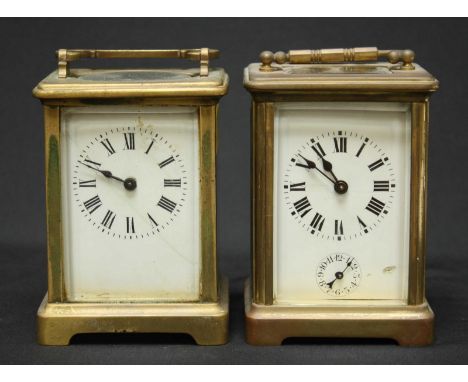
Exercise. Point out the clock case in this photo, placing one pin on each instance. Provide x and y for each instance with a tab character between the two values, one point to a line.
335	75
206	320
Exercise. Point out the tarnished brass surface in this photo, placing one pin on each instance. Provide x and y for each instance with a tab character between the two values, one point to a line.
322	56
268	323
206	319
410	325
203	55
418	205
262	202
132	83
334	79
55	270
207	154
207	323
207	121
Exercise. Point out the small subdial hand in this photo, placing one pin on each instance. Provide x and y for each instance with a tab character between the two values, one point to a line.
340	186
311	165
339	275
129	183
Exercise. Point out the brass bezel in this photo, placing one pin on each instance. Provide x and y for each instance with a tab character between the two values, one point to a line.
268	323
206	320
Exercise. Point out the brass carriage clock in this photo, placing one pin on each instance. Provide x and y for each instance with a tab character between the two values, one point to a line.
131	198
338	196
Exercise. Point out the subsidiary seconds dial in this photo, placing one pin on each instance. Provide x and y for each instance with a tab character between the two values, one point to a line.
339	185
338	274
129	182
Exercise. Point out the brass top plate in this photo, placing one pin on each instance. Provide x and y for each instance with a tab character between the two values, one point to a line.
379	76
115	83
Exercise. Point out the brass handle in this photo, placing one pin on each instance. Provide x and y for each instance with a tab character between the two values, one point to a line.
203	55
320	56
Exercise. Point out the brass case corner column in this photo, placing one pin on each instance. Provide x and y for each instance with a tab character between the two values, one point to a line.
334	75
200	88
262	202
207	140
419	146
55	270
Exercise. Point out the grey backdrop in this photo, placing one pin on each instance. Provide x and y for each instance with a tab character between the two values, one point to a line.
28	47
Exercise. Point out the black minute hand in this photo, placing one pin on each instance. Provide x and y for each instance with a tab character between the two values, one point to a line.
106	173
130	184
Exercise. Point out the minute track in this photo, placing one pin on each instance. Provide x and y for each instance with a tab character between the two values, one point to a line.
347	215
133	148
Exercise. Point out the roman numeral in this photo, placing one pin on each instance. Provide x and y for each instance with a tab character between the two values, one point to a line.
108	219
297	186
106	143
381	185
318	150
360	150
362	147
92	162
166	162
149	147
341	144
302	206
317	222
167	204
129	141
172	182
87	183
376	165
375	206
152	220
130	225
362	224
93	204
338	227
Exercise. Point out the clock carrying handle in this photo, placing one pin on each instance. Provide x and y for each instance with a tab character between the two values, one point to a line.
203	55
328	56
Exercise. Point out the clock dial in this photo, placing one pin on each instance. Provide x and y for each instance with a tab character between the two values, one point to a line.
130	182
130	203
341	191
338	274
354	173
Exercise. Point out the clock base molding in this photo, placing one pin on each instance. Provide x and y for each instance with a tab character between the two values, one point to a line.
207	323
410	325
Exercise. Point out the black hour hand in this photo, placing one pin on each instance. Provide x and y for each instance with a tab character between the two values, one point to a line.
311	165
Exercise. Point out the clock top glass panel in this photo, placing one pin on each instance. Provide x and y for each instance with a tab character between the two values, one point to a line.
130	202
341	203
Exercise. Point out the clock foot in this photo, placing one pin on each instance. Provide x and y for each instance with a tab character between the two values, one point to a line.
207	323
408	325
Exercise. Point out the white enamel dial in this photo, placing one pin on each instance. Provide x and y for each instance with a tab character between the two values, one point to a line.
129	182
130	203
342	180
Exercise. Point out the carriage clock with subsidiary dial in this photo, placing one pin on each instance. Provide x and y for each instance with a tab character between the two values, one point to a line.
339	189
131	198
